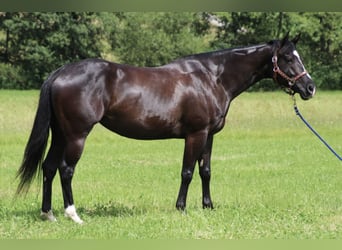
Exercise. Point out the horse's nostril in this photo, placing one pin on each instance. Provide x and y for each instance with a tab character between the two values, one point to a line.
311	89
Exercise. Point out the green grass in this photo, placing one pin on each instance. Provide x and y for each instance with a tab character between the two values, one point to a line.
271	178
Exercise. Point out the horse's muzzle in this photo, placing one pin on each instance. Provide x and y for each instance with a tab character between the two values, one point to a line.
306	92
311	88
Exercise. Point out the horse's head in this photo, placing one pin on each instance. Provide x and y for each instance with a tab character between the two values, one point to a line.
289	70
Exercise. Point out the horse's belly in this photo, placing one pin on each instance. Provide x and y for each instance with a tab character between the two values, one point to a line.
147	128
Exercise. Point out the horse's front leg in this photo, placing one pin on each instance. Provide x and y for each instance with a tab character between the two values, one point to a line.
194	145
205	173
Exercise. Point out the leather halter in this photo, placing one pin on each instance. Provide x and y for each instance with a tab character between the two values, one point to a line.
277	70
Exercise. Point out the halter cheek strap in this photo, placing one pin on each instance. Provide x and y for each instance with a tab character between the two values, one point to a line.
277	70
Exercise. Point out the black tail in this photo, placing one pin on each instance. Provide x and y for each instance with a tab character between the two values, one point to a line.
36	145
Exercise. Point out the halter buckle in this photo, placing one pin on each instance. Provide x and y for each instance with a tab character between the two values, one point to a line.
274	59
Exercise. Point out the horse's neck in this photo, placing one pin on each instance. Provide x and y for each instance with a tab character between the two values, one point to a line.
244	67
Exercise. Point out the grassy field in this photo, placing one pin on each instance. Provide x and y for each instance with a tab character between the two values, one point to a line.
271	178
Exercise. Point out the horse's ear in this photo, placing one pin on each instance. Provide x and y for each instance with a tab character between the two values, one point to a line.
296	39
285	39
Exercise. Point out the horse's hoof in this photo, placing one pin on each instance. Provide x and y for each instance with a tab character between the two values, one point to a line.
70	212
208	205
180	206
48	216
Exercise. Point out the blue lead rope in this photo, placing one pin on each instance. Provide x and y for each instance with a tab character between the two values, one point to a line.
313	131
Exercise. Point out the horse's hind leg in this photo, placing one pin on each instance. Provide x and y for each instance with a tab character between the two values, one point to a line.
72	154
50	166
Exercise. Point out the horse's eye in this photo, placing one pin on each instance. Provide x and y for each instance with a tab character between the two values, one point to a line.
288	58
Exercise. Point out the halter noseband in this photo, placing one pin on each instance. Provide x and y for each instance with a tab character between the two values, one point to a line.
277	70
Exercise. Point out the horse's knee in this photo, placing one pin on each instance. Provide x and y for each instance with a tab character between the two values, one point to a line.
66	172
49	172
205	173
187	176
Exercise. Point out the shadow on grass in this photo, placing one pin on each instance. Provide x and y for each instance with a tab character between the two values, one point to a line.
111	209
17	214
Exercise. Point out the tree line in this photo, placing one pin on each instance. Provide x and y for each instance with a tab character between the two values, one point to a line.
32	45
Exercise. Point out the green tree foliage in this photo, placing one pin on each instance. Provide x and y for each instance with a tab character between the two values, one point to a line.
151	39
322	45
38	43
246	28
32	45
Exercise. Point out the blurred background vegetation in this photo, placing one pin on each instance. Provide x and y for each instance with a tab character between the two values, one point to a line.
32	45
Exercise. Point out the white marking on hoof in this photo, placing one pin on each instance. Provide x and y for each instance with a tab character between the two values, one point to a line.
48	216
70	212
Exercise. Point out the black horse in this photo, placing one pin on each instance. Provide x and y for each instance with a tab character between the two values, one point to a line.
188	98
